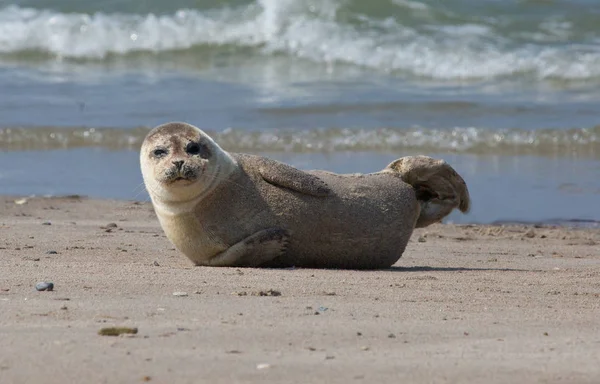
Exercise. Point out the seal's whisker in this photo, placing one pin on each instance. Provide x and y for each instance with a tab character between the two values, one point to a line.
141	188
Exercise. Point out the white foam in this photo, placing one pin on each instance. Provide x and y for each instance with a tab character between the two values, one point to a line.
579	141
306	30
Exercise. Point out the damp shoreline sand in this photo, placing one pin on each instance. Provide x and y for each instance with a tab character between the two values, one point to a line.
466	303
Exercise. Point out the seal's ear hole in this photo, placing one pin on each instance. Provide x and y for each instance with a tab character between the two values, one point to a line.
159	152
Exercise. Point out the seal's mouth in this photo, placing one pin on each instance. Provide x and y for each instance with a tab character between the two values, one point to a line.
180	180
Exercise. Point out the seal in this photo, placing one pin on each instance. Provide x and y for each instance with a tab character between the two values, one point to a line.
230	209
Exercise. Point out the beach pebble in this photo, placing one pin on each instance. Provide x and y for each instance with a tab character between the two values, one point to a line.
46	223
51	253
44	286
156	263
180	294
263	366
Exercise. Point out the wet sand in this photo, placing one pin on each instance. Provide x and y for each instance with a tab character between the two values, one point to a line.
466	303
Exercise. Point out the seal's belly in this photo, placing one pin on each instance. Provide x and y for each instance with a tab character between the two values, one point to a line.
366	223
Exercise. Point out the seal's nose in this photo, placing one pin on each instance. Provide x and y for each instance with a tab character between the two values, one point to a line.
178	164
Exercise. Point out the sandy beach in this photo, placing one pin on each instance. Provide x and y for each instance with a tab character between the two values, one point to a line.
466	303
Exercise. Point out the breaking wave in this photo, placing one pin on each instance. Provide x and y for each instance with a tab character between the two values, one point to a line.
411	38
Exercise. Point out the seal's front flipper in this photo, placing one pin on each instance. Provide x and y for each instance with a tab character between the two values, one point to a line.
254	250
283	175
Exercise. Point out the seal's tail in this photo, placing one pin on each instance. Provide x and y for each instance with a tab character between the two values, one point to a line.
438	187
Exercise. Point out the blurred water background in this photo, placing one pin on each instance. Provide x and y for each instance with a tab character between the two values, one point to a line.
507	91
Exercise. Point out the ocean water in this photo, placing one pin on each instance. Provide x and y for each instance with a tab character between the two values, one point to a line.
507	92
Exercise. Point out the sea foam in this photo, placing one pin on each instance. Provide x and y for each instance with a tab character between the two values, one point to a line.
315	31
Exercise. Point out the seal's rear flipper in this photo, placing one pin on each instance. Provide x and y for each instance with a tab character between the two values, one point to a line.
438	187
259	248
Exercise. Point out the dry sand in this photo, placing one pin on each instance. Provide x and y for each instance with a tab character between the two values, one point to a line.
466	303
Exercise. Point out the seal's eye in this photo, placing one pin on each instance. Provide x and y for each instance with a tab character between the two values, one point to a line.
159	152
193	148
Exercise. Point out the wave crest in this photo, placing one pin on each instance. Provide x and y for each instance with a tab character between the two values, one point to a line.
448	47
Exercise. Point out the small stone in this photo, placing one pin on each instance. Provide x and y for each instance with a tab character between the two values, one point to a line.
530	234
156	263
51	253
44	286
64	308
328	357
358	333
146	378
180	294
545	333
21	201
421	239
46	223
364	348
391	336
263	366
111	225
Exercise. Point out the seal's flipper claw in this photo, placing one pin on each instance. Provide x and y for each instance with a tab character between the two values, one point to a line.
259	248
283	175
439	188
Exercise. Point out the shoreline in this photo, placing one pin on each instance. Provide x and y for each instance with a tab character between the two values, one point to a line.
480	303
571	223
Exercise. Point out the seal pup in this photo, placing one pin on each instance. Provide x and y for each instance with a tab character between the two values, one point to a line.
229	209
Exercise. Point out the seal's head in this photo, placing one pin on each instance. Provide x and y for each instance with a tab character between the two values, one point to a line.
180	163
